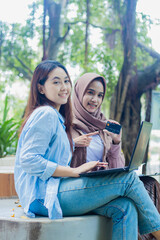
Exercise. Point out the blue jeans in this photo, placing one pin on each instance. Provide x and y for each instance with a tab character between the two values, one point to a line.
121	196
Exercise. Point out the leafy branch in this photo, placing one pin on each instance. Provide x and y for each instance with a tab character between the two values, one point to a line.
8	132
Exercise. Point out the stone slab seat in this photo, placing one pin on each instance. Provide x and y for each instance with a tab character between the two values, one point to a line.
14	225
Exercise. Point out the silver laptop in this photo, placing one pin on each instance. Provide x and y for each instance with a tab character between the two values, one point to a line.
137	156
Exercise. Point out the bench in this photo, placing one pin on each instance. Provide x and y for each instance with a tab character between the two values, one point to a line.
15	225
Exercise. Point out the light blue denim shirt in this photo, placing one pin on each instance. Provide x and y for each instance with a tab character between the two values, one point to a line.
43	144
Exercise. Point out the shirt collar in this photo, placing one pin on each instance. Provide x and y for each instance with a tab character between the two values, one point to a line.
59	116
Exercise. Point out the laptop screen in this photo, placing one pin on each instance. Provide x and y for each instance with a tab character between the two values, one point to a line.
141	145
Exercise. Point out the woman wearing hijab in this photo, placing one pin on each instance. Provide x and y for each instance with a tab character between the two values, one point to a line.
93	143
88	119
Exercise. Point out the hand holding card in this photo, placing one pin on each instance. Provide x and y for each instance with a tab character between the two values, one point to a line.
113	127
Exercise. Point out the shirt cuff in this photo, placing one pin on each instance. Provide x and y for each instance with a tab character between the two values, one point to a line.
50	168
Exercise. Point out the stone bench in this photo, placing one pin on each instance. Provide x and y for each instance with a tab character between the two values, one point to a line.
15	225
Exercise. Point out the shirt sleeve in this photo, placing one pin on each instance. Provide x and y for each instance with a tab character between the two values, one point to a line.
39	133
115	156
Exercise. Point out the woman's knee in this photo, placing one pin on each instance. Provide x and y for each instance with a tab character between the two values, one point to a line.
120	208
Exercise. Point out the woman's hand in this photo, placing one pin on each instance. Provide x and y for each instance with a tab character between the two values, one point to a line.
84	140
116	138
89	166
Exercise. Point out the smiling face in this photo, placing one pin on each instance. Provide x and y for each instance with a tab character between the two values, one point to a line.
57	87
93	96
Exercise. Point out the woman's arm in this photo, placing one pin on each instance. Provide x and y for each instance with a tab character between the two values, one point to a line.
37	136
62	171
115	156
84	140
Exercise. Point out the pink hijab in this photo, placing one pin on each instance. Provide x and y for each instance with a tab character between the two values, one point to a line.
84	120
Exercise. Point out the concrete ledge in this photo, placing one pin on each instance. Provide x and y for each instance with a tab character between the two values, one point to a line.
14	225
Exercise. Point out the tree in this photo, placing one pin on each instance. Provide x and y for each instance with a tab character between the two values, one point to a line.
118	56
54	36
132	83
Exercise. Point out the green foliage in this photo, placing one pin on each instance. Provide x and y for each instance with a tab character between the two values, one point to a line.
18	53
143	58
105	49
8	132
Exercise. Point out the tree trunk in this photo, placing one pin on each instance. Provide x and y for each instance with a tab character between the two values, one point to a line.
125	108
44	30
54	40
139	84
